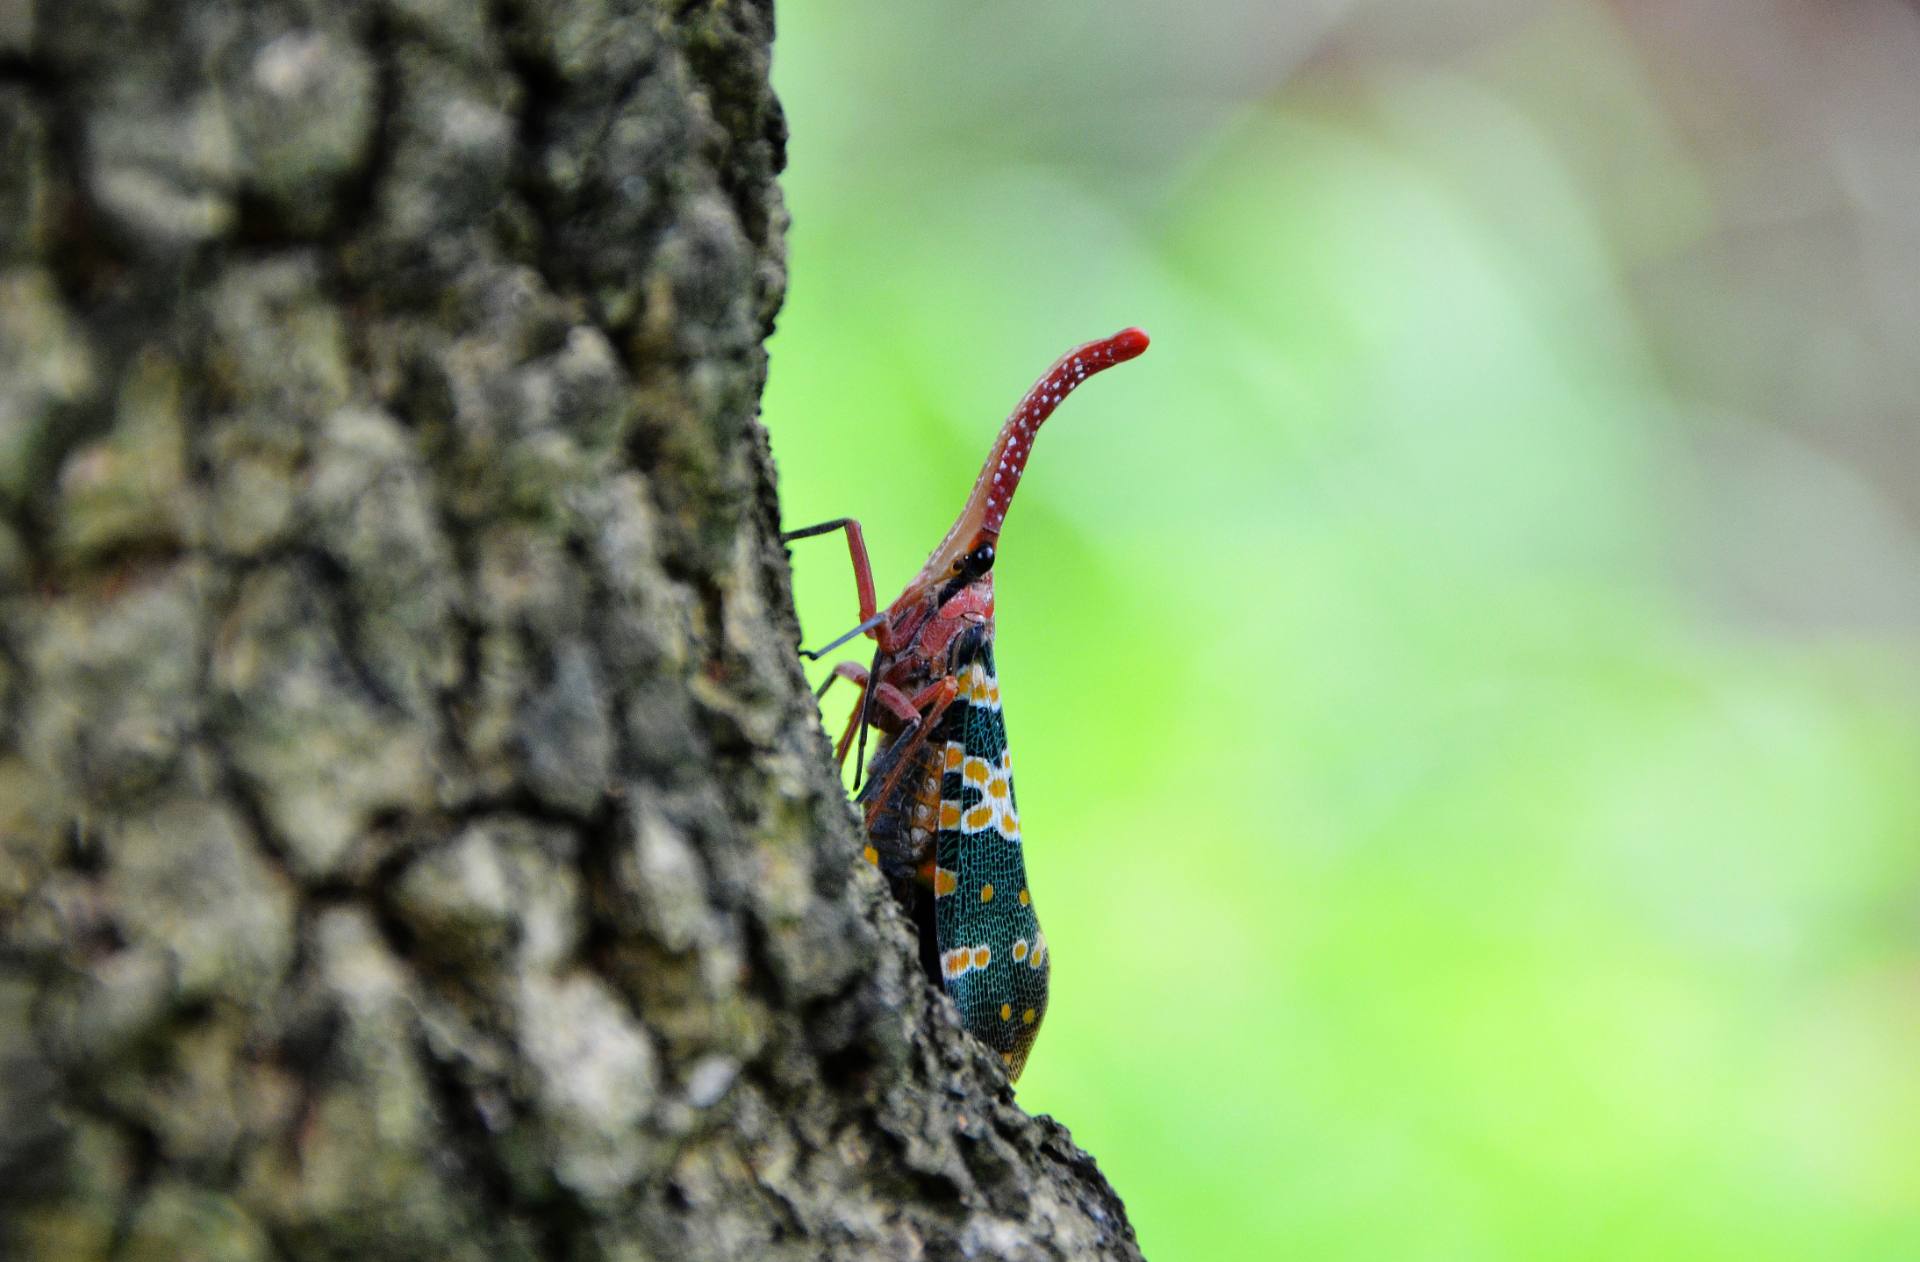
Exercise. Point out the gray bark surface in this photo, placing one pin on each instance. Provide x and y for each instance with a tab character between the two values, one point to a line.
416	837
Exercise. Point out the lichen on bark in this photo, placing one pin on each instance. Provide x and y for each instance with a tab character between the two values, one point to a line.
416	838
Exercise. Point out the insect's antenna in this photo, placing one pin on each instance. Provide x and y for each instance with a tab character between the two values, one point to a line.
1007	459
814	655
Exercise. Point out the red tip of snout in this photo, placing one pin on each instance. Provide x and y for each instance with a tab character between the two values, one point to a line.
1127	343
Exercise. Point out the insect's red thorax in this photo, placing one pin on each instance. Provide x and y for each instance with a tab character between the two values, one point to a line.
920	633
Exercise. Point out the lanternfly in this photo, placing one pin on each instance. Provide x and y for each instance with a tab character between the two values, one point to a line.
941	818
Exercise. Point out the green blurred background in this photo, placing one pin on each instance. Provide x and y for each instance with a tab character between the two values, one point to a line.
1466	676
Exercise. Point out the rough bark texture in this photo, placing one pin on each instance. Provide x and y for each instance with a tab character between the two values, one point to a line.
416	839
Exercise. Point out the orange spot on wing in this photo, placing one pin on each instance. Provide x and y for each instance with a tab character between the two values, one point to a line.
1027	1016
986	892
982	956
1025	898
979	817
1020	950
955	753
949	815
976	770
1006	1012
945	882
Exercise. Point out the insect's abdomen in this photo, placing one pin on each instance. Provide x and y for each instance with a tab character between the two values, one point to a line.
901	827
992	955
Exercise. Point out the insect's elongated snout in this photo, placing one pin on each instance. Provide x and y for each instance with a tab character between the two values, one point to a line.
1007	459
986	508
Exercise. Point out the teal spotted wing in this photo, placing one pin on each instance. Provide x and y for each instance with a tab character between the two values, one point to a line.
992	954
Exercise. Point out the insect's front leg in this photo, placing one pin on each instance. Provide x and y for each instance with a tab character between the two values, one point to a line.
862	575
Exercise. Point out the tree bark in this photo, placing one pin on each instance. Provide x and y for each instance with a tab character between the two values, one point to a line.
416	837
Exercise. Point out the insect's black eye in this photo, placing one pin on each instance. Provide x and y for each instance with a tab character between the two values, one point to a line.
967	570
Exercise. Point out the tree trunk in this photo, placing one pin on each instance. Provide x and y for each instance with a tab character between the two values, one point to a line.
416	838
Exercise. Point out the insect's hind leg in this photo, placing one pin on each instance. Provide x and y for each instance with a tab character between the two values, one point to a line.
901	815
936	697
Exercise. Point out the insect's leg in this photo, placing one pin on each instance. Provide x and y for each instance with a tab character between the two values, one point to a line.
940	692
865	712
896	702
857	673
849	670
936	697
857	549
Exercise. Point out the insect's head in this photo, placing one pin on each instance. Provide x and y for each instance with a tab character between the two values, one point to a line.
969	567
965	556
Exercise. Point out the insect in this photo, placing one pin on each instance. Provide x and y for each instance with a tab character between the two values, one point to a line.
938	801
